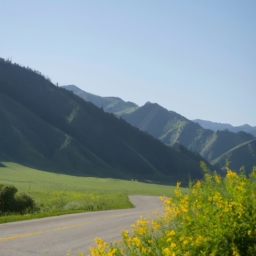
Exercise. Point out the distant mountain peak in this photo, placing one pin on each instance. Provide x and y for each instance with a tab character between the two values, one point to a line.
224	126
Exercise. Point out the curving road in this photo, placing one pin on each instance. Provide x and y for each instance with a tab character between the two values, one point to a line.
55	236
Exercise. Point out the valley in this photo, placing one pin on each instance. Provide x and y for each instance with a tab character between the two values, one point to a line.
89	163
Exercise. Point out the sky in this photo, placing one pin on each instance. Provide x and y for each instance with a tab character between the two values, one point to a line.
197	58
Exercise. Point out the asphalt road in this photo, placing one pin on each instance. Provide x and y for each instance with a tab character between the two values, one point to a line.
55	236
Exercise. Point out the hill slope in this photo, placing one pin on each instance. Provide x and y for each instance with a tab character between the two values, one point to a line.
48	127
172	129
245	152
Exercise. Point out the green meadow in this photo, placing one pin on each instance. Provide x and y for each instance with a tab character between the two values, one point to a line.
57	194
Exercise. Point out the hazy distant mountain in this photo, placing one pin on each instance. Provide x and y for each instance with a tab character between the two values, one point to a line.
50	128
173	129
219	126
109	104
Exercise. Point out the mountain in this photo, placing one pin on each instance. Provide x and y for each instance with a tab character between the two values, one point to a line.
48	127
219	126
173	129
109	104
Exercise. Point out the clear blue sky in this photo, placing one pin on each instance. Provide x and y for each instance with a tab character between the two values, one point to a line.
197	58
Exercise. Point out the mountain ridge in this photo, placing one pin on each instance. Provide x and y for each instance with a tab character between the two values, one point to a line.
172	128
215	126
109	104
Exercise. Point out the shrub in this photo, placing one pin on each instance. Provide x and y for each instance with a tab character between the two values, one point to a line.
7	193
216	217
23	203
13	202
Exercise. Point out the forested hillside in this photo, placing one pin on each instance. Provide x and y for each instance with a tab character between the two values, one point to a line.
45	126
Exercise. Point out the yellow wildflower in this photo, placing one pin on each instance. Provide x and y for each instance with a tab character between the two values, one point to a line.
217	178
177	192
136	241
185	242
170	233
112	252
198	184
155	225
173	245
166	252
231	174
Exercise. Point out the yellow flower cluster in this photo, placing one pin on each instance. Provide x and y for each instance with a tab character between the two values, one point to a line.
216	217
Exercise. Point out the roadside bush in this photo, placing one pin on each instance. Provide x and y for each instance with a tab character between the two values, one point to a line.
7	193
216	217
23	203
11	201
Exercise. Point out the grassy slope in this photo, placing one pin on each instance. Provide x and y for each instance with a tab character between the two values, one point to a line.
55	193
28	179
242	155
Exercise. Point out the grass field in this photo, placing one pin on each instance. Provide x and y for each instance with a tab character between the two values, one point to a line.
57	194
